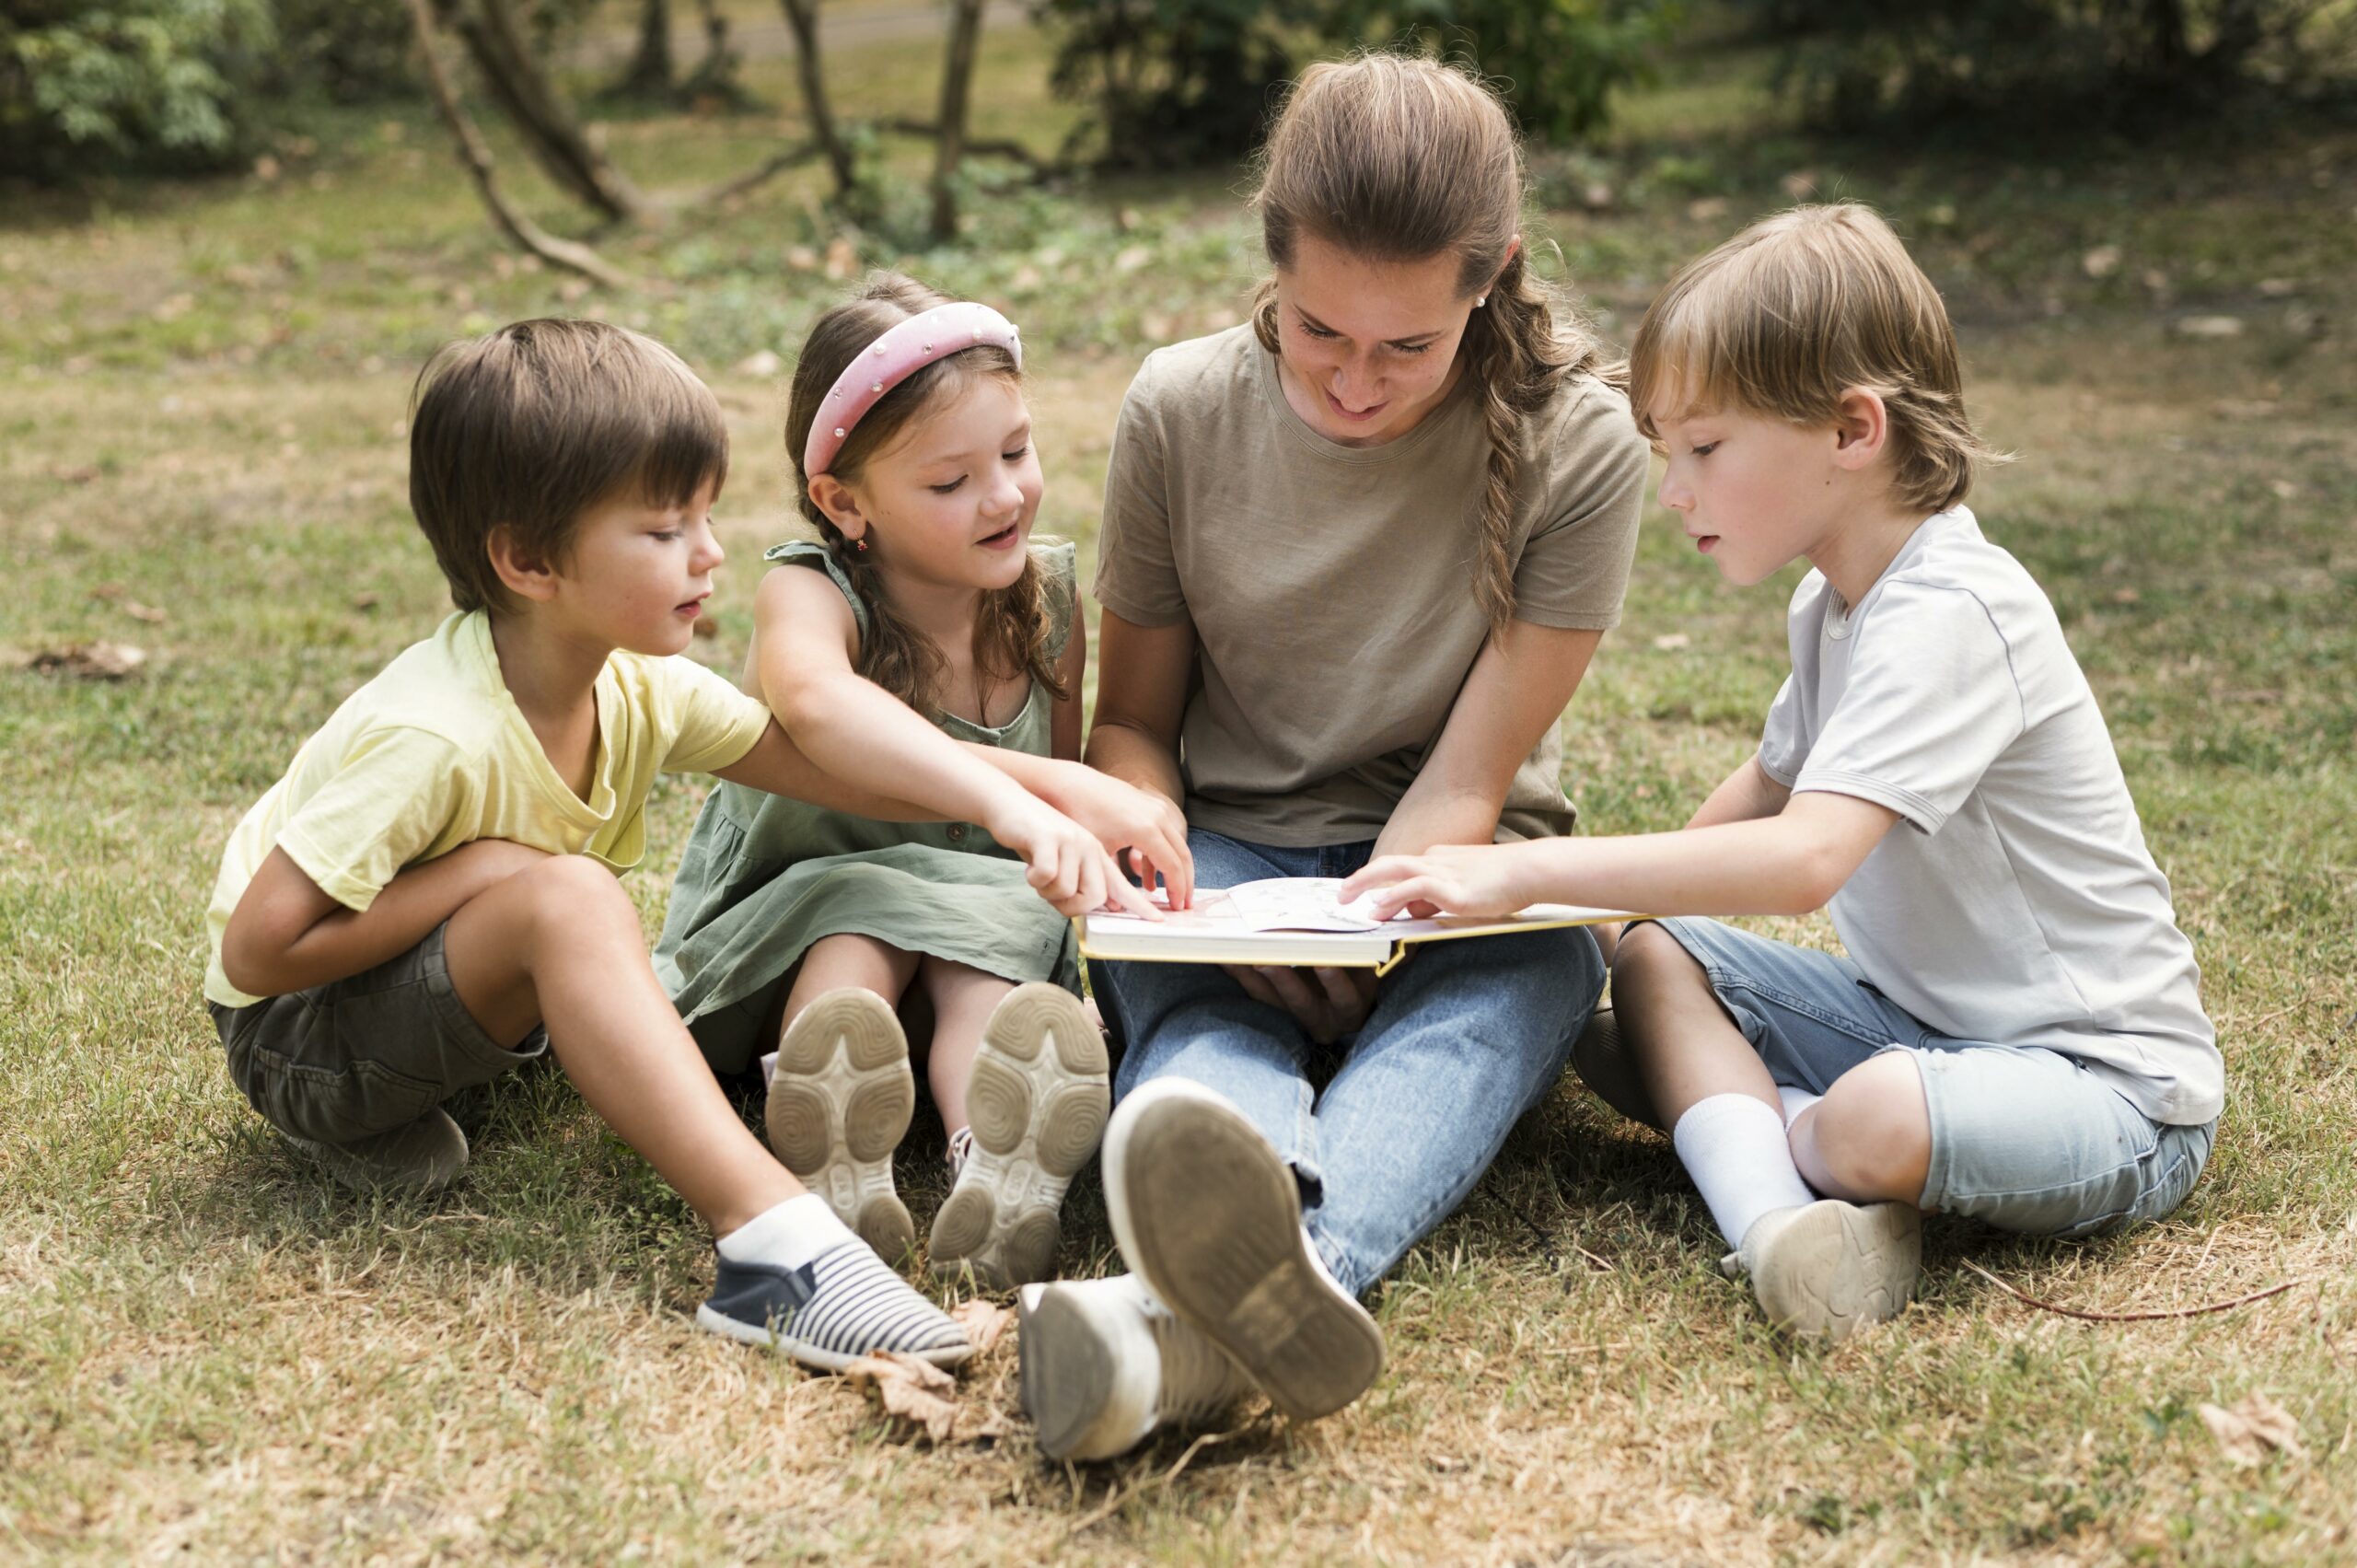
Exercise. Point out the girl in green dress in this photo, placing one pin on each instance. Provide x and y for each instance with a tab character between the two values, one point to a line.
924	644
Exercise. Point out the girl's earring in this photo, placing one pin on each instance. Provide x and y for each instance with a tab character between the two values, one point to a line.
860	544
1480	301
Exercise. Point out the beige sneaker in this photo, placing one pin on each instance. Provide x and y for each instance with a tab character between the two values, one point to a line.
1829	1269
424	1157
1104	1366
839	1106
1209	1215
1038	1101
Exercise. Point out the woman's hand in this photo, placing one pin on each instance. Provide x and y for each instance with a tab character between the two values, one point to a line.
1475	880
1327	1003
1066	864
1150	827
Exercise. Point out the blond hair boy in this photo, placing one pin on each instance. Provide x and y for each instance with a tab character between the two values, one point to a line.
2016	1032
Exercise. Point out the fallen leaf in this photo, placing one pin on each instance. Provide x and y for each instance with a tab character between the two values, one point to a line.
764	364
841	260
266	168
89	661
2211	327
914	1390
984	1323
365	599
2101	262
1130	258
1671	641
1596	195
79	475
147	612
108	591
1706	209
2256	1427
802	258
2285	489
2276	288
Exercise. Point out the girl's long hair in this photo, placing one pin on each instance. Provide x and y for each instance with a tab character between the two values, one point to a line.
1395	157
1012	634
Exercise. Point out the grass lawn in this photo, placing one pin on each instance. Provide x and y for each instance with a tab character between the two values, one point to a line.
204	1350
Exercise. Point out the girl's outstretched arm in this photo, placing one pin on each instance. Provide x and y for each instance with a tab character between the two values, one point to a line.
805	641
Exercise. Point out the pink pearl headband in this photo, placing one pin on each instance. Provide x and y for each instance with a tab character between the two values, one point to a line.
893	357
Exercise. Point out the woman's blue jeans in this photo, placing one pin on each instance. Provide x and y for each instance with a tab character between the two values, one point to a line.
1464	1039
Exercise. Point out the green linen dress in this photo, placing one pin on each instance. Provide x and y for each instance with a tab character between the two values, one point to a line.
763	878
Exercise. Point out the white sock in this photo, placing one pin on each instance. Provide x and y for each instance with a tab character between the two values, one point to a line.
1734	1148
769	1072
789	1234
1796	1101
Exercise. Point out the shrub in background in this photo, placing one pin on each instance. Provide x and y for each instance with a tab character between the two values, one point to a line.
130	84
1557	61
1861	62
1177	83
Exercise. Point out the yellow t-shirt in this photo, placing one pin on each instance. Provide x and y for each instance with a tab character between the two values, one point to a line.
434	753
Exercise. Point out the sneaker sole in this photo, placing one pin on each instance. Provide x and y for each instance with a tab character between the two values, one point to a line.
1039	1098
1837	1267
808	1354
1210	1217
839	1105
1073	1362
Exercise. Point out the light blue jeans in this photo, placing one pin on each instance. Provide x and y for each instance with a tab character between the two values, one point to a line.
1464	1039
2023	1139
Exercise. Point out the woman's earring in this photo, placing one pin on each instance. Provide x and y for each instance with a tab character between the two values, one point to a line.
1480	301
860	544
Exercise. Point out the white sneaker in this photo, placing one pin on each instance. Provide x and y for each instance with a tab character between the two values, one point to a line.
1104	1364
839	1106
1209	1215
1039	1099
1829	1269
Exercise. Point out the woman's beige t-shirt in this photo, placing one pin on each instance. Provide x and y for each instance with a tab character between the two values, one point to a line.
1331	587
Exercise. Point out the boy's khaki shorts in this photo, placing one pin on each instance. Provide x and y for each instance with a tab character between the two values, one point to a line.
365	1054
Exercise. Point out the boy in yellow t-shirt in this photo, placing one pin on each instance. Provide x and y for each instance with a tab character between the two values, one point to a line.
429	897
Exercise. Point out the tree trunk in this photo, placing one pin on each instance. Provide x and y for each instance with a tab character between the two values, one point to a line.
715	75
957	84
558	253
802	17
649	75
546	121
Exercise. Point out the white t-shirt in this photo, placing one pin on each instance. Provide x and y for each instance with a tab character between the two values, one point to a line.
2015	903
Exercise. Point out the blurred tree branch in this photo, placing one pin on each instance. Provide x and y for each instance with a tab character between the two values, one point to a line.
568	254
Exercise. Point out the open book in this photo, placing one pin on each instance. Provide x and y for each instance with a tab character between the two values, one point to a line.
1297	920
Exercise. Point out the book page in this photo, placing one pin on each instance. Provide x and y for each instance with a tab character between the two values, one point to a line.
1297	903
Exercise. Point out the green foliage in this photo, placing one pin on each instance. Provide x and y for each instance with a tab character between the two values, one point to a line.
1175	84
134	83
1186	83
1558	61
346	51
1858	62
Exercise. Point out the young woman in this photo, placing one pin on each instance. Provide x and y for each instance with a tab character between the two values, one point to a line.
1356	557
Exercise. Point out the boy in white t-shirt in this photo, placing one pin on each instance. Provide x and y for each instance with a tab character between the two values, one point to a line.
2016	1033
428	899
